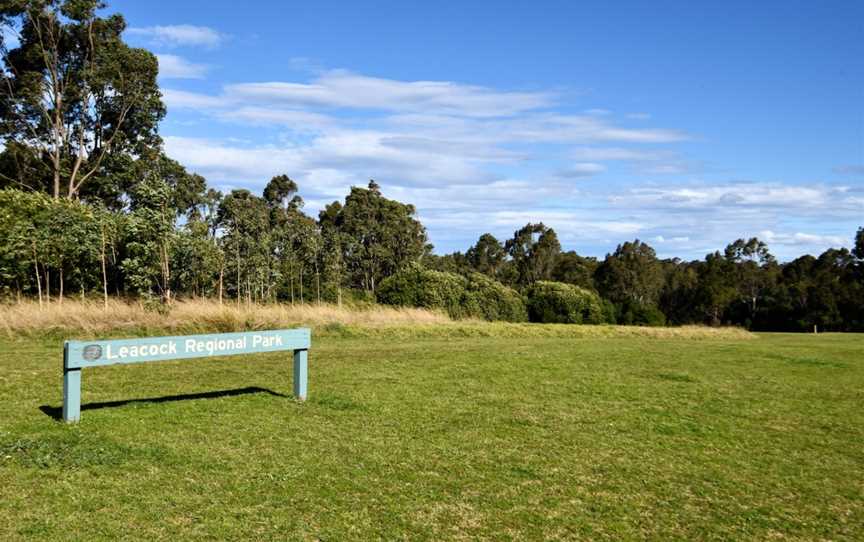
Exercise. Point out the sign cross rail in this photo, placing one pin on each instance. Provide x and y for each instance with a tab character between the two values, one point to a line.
78	355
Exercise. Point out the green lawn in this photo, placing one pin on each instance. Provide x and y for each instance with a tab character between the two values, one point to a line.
473	438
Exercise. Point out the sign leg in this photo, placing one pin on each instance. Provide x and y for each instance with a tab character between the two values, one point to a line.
71	395
301	373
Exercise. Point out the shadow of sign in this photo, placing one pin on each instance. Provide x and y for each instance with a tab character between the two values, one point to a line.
56	412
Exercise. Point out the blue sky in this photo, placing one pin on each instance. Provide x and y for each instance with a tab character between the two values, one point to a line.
685	124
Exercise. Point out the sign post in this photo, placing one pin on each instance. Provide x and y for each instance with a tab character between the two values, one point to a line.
78	355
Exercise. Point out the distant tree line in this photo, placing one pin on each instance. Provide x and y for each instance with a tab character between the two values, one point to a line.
90	205
743	285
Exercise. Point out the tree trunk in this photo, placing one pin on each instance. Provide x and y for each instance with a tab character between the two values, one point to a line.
38	279
166	275
61	284
291	281
238	276
47	284
317	283
104	273
221	274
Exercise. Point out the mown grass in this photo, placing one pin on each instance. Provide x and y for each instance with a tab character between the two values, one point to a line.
482	438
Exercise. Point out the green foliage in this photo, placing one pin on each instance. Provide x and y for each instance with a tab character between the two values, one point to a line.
245	220
487	256
77	103
632	274
476	296
633	314
557	302
533	251
415	286
378	235
574	269
490	300
151	236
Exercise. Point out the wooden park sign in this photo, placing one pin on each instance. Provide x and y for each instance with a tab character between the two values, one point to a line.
79	355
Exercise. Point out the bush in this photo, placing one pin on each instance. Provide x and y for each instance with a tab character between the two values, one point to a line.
415	286
640	315
477	296
490	300
557	302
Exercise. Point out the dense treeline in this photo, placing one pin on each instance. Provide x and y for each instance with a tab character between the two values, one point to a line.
90	205
744	285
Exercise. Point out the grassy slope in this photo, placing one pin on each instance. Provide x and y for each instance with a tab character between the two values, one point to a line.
446	439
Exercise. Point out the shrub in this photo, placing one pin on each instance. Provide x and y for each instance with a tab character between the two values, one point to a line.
415	286
477	296
640	315
490	300
557	302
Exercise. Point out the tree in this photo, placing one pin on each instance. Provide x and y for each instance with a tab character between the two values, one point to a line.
75	100
150	238
487	256
714	292
379	235
245	219
281	192
858	251
533	250
631	275
753	272
572	268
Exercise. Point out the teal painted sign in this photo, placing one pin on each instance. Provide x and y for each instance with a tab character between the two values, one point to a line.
79	355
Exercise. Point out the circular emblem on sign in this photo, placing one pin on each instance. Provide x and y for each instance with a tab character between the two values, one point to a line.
92	352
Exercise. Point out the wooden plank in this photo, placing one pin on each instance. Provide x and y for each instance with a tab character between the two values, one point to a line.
83	354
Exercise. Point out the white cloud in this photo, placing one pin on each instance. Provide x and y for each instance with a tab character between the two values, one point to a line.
181	99
176	67
732	195
798	239
475	159
584	169
343	89
615	153
178	35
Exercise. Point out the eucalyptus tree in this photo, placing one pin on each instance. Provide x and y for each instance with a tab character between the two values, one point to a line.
572	268
245	221
631	277
487	256
754	271
858	250
379	235
533	250
76	102
714	292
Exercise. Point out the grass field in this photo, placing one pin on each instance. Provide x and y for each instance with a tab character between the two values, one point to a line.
445	438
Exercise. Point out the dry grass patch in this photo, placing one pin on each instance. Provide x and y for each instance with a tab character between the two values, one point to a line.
197	315
91	318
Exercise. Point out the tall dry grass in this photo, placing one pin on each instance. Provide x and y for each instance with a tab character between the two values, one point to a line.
85	319
201	315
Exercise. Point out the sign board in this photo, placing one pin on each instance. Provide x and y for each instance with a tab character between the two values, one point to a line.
79	355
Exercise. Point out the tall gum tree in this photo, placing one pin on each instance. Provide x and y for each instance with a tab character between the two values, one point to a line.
73	95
